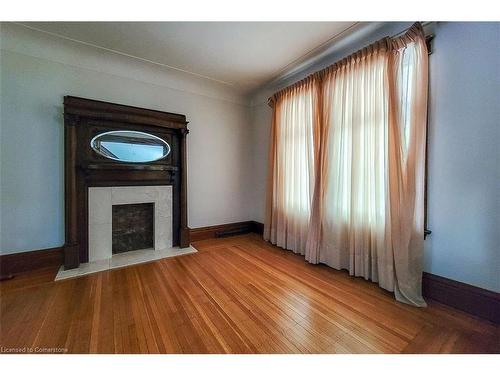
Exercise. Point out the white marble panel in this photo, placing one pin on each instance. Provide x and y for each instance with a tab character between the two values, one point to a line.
163	208
163	233
100	205
100	241
134	194
165	201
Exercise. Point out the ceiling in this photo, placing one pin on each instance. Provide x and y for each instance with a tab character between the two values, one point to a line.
245	55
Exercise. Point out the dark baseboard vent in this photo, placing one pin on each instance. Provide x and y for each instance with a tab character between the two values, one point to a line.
233	232
222	230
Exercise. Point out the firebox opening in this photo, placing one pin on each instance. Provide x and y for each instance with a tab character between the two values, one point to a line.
132	227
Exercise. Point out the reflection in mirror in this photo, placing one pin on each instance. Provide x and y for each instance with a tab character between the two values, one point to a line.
130	146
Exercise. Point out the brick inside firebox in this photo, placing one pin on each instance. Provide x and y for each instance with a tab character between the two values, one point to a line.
133	227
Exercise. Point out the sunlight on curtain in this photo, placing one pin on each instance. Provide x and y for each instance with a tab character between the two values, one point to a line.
293	166
408	73
405	86
356	116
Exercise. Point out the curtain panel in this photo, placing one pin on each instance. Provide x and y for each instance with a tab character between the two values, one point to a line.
347	159
293	156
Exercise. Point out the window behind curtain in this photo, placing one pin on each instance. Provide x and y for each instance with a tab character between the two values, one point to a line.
356	110
296	153
294	169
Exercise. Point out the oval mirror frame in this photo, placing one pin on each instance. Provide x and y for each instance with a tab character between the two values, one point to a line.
129	134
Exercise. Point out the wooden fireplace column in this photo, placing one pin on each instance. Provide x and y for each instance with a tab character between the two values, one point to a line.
84	168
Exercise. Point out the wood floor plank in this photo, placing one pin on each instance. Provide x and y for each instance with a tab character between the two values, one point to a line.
236	295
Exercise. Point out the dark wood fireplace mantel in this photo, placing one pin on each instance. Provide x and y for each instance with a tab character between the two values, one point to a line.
84	168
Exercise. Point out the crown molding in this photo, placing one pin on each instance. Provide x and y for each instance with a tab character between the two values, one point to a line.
20	39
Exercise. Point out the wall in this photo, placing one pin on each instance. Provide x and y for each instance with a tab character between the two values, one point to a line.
37	70
261	124
463	155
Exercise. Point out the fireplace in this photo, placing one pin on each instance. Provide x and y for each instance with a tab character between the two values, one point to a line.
132	227
100	173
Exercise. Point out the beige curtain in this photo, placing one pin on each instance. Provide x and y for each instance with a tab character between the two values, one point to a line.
353	197
408	85
367	167
292	158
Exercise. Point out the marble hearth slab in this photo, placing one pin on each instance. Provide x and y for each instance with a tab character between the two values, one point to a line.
122	260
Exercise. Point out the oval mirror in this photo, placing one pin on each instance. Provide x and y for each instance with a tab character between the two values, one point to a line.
130	146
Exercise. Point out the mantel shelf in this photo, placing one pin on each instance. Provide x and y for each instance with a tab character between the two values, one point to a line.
139	167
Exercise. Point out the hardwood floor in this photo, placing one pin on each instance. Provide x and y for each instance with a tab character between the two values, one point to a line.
236	295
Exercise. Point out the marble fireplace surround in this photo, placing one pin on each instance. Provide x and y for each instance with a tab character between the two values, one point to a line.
100	202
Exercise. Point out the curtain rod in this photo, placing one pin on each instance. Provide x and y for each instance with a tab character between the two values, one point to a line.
280	77
424	24
428	40
428	37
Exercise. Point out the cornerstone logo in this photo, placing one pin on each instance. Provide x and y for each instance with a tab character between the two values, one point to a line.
29	350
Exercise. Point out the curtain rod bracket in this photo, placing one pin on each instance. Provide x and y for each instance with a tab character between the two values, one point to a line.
428	41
